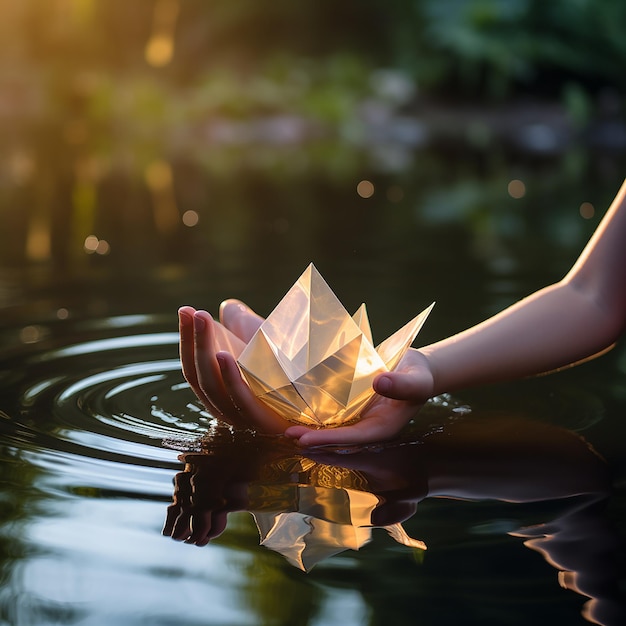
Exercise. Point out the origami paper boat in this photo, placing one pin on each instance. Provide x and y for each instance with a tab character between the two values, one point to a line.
313	363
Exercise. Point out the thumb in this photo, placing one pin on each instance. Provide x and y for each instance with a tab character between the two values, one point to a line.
411	387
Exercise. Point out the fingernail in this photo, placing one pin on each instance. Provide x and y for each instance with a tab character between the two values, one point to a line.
221	361
198	323
383	385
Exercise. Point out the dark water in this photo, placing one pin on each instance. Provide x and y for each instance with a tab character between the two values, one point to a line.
104	449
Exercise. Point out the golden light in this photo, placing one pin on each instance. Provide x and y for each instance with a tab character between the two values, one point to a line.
91	243
159	50
103	247
160	180
587	210
160	46
98	246
517	189
62	313
190	218
158	176
365	189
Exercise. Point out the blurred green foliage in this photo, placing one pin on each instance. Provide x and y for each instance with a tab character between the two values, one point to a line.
116	117
243	56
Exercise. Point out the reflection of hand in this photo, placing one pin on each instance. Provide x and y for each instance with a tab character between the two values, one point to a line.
197	515
401	395
204	494
216	484
214	375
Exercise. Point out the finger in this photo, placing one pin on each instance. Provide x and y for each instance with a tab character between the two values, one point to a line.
220	519
201	524
173	511
240	319
186	346
215	527
207	369
407	386
384	421
187	353
182	525
259	416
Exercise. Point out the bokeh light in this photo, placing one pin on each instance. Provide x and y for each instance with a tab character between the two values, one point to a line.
190	218
587	210
517	189
365	189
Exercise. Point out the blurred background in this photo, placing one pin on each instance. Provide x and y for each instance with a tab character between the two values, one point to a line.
158	152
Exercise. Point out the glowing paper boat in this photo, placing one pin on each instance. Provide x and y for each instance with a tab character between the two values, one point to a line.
313	363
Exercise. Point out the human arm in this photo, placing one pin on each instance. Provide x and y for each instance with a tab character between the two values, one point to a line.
572	320
562	324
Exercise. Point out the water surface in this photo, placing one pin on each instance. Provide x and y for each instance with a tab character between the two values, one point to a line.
103	446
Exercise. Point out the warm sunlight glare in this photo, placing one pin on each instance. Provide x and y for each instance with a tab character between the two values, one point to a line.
91	243
160	46
365	189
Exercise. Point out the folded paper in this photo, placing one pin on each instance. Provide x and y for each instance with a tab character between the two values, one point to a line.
314	363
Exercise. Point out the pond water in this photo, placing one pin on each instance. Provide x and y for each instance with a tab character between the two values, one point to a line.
108	462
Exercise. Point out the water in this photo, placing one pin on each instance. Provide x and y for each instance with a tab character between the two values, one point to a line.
108	463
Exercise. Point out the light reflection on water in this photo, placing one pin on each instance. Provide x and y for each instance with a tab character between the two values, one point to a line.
92	438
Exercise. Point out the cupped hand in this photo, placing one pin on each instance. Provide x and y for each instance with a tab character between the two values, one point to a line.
400	395
215	378
213	373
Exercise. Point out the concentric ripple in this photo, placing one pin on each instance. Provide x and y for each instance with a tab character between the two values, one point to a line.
110	390
115	397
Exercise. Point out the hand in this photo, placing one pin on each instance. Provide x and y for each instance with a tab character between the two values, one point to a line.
401	395
208	351
214	376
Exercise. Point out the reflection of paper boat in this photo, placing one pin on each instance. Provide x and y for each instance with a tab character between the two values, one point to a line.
305	540
312	362
309	511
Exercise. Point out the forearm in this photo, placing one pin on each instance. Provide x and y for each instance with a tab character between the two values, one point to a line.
572	320
554	327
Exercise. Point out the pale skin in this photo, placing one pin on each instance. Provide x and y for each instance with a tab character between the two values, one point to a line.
572	320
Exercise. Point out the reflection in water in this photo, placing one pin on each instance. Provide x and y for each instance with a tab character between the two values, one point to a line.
311	504
305	510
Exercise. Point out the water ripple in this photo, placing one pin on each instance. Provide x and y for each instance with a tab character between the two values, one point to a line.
116	398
